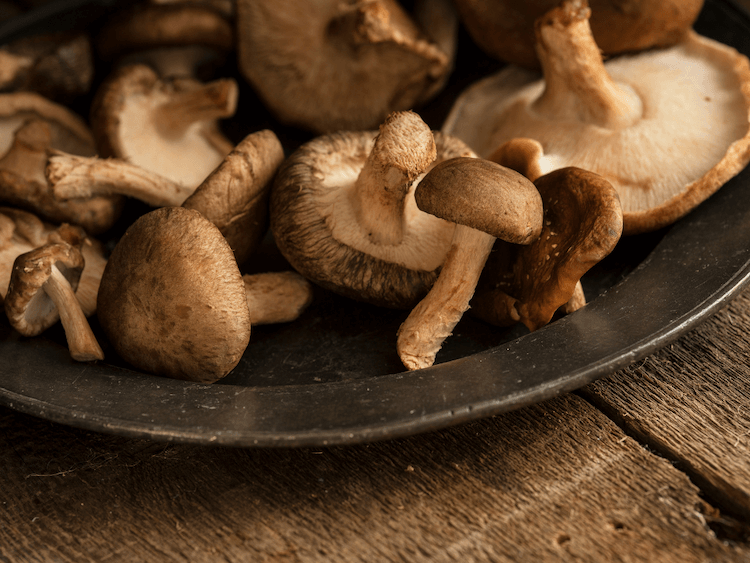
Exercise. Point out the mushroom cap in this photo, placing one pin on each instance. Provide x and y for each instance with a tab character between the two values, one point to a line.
505	29
34	124
27	306
692	137
234	197
124	123
483	195
315	229
331	65
151	26
172	300
582	225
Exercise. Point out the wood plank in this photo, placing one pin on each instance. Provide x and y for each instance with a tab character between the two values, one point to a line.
553	482
691	402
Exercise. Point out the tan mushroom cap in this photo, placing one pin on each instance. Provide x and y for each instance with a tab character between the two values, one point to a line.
172	300
582	225
343	211
42	291
666	127
505	28
30	125
169	127
331	65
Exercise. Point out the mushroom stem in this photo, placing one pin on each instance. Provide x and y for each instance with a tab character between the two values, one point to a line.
276	297
576	82
215	100
403	150
74	177
422	334
81	340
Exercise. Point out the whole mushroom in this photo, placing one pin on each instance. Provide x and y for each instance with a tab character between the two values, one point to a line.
343	211
666	127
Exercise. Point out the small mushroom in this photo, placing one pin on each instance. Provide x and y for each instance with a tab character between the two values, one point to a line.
169	127
176	39
582	225
234	196
487	202
343	211
31	125
331	65
172	300
42	291
666	127
276	297
505	28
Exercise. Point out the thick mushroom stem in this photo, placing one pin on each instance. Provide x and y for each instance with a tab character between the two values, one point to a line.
215	100
82	343
576	83
276	297
422	334
403	150
73	177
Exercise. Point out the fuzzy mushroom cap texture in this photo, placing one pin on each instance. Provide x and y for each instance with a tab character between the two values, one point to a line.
666	127
505	28
172	300
30	125
331	65
133	117
582	225
315	228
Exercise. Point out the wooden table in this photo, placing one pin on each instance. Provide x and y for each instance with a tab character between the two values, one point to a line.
649	464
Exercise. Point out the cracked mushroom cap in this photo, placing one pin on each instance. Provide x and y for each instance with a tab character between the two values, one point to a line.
582	225
30	126
172	300
336	223
505	28
666	127
331	65
169	127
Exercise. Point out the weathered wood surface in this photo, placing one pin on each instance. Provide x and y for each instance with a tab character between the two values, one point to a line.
554	482
691	402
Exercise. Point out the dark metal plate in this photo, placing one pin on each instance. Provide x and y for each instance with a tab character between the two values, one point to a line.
333	377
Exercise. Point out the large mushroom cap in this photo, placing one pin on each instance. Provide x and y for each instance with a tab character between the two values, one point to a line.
172	300
505	28
316	216
333	65
666	127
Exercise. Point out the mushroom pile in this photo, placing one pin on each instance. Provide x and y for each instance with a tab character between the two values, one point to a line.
143	166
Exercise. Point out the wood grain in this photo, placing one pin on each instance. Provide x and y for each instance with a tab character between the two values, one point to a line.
554	482
691	402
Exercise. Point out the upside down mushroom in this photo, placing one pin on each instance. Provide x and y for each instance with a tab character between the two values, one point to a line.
343	211
582	225
486	201
666	127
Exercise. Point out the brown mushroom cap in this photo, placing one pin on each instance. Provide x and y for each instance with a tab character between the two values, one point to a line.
42	291
666	127
333	65
582	225
30	125
169	127
172	300
505	28
315	224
